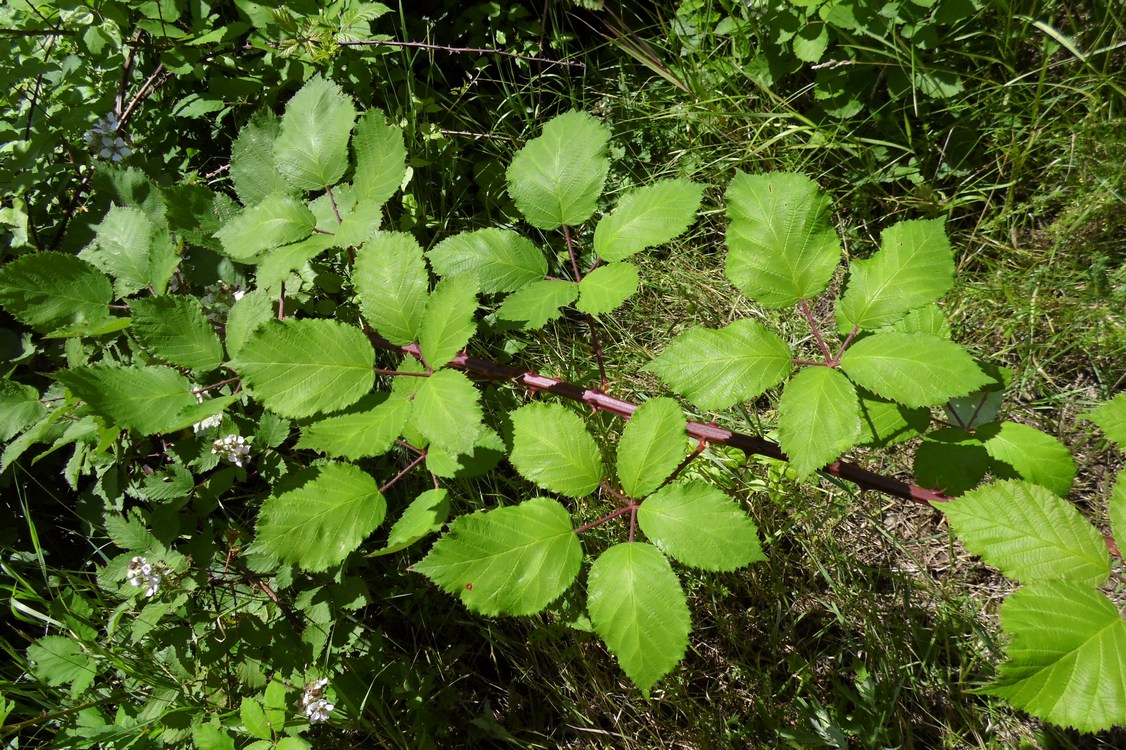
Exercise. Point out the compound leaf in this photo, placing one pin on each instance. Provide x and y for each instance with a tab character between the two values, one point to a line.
1064	657
253	171
145	399
914	369
539	302
716	369
914	266
818	418
369	430
652	446
297	368
698	525
390	277
1039	458
381	158
311	150
278	220
781	246
606	287
49	290
557	177
320	515
501	260
447	411
175	329
638	608
514	560
1111	417
1029	534
448	324
551	447
647	217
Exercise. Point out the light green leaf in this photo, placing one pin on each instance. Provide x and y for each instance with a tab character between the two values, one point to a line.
514	560
176	330
501	260
551	447
253	171
1029	534
311	150
390	277
1111	417
926	319
59	660
276	266
297	368
359	225
20	408
915	369
557	178
811	41
448	324
488	450
425	515
447	411
639	609
245	317
145	399
381	158
781	246
652	446
318	516
254	719
1039	458
278	220
369	429
698	525
818	418
646	217
129	533
539	302
211	737
914	267
606	287
136	251
197	412
717	369
1064	658
49	290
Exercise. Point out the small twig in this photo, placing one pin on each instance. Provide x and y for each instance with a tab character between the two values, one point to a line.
457	50
606	518
381	371
403	473
332	202
151	84
848	340
700	446
213	386
604	383
572	253
805	311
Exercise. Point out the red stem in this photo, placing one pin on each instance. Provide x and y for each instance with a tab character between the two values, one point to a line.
804	307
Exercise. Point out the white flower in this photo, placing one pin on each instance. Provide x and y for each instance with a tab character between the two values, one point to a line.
233	447
314	703
218	299
143	573
207	423
104	138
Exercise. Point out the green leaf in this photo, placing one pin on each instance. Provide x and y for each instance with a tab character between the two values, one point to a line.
425	515
639	609
253	171
652	446
20	408
448	324
278	220
246	316
381	158
551	447
129	533
1116	509
647	217
539	302
1111	417
698	525
369	429
320	515
447	411
176	330
606	287
49	290
311	150
359	225
1064	664
145	399
254	719
915	266
1029	534
781	246
818	418
390	277
717	369
297	368
915	369
488	450
133	249
557	178
59	660
275	703
885	423
811	41
276	266
211	737
951	460
514	560
926	319
1039	458
501	260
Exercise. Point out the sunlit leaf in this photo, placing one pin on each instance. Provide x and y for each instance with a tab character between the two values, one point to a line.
646	217
501	260
698	525
311	149
652	446
551	447
818	418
